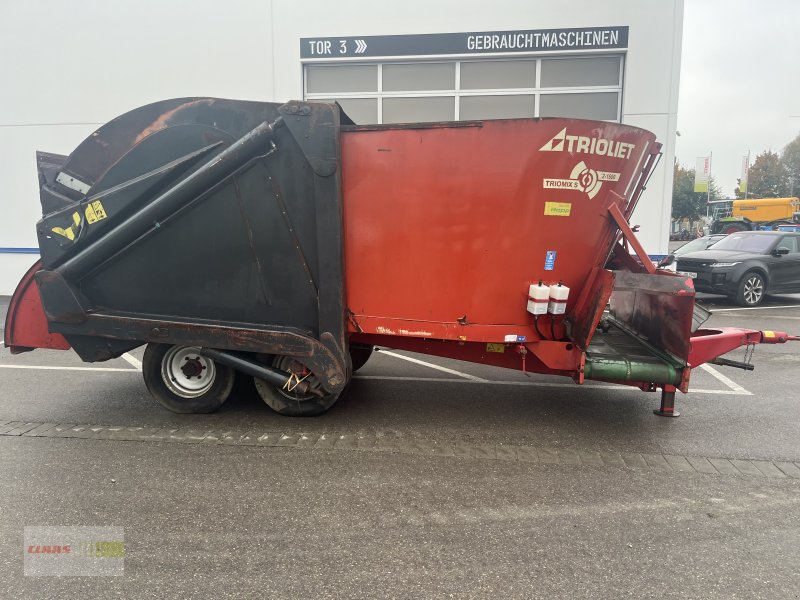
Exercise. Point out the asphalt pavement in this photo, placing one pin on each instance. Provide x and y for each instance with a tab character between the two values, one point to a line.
427	479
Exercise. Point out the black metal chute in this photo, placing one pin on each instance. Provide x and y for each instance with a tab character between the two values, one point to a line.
225	213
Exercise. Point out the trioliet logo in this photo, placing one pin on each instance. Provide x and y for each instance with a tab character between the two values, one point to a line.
580	144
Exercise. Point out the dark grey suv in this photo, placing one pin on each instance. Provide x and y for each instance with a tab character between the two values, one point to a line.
746	266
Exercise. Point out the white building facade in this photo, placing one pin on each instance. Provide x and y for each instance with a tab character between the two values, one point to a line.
71	67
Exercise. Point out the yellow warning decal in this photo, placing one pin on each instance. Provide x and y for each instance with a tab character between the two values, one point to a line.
557	209
95	212
495	347
69	232
769	334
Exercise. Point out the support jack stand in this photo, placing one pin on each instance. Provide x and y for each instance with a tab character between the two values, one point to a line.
667	403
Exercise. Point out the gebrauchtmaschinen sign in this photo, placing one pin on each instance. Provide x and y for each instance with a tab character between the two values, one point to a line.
486	42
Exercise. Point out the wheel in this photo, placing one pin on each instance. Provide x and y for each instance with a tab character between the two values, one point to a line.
291	403
752	289
359	355
183	381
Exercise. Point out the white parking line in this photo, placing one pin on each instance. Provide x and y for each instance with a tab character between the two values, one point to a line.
736	389
740	392
132	360
52	368
716	310
727	381
781	317
432	366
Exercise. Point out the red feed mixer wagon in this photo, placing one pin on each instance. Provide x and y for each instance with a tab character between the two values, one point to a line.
284	242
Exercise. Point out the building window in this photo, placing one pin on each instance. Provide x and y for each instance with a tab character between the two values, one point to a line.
406	92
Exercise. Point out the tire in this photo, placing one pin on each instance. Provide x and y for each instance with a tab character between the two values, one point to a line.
183	381
289	403
752	289
359	355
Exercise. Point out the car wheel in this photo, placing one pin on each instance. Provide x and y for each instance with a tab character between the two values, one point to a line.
752	289
184	381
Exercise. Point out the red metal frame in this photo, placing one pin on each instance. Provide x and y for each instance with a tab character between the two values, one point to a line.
708	344
590	306
551	358
630	237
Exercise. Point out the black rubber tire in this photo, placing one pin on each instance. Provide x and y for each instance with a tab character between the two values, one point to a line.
750	281
208	402
359	355
288	403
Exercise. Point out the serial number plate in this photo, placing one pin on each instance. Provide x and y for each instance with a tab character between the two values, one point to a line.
688	274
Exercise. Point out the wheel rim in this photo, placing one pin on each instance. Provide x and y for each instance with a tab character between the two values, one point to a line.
186	373
753	289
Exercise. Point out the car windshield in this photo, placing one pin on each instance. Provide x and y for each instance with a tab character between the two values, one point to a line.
743	242
693	246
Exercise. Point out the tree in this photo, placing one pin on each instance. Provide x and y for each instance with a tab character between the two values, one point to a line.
686	203
765	177
790	168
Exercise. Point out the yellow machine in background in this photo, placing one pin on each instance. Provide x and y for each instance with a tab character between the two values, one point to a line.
766	209
759	213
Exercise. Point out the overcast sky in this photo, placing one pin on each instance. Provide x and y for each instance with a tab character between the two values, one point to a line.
740	82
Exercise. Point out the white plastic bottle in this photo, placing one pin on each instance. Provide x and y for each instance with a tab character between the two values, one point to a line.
558	299
538	297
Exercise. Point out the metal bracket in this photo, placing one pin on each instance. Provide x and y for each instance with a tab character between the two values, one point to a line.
630	237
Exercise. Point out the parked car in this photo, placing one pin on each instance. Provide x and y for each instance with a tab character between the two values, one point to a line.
746	266
701	243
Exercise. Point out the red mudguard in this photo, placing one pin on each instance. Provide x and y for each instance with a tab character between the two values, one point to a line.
26	323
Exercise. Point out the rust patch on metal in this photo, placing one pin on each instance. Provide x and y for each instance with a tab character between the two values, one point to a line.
162	122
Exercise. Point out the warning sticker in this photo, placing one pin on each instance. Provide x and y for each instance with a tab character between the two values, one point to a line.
95	212
495	347
69	231
557	209
550	260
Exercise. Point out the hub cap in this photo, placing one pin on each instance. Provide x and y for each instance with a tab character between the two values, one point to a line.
186	373
753	289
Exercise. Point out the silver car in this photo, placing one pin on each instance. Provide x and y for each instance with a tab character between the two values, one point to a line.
705	242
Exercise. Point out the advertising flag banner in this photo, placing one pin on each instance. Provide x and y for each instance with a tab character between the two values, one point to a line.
743	178
702	173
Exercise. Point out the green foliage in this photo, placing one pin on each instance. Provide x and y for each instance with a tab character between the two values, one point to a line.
686	203
764	179
774	175
790	167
